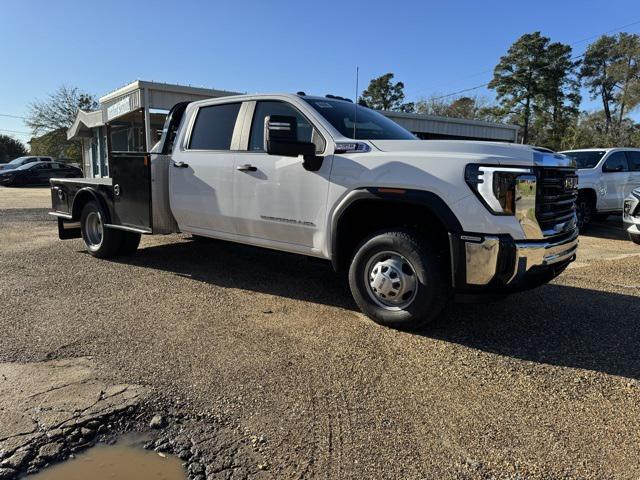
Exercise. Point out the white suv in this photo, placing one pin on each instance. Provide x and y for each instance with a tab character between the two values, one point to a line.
606	176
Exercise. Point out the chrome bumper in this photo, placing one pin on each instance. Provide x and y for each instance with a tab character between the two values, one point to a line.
499	261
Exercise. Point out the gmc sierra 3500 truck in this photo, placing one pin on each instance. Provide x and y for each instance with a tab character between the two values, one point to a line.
412	221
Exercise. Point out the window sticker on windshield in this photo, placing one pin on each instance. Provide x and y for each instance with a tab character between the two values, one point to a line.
324	105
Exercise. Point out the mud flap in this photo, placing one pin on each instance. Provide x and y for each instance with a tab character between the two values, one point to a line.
68	229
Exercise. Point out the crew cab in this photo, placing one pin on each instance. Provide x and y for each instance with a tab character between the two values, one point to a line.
606	176
413	222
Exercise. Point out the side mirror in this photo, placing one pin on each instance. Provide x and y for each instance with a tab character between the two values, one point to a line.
281	138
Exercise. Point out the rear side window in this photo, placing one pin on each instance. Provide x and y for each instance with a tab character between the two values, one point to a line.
617	162
214	126
634	161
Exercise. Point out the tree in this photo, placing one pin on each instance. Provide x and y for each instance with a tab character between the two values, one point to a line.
556	106
59	110
626	70
10	148
517	78
596	73
49	119
55	144
383	94
471	108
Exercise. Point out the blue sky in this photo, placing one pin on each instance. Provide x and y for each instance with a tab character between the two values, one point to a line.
257	46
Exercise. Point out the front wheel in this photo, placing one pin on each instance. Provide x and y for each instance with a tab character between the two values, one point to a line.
398	279
635	238
584	211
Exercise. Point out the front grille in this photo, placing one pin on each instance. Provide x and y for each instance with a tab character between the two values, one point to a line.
555	199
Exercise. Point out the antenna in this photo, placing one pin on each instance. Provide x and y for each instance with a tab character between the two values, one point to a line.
355	105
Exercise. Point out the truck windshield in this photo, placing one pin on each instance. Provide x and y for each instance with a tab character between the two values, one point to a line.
363	124
586	158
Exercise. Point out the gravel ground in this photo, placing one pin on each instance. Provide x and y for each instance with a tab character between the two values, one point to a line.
544	384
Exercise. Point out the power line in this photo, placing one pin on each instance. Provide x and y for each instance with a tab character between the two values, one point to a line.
539	68
14	131
12	116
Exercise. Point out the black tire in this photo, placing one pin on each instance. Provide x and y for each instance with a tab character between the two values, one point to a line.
585	210
635	238
432	287
129	244
600	217
107	243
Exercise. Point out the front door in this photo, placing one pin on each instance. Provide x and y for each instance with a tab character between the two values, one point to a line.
633	157
615	175
276	199
201	173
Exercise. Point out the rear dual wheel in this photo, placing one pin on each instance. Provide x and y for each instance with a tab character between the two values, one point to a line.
103	242
398	279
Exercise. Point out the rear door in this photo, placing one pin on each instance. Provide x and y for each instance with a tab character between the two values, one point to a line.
276	199
41	173
201	172
615	175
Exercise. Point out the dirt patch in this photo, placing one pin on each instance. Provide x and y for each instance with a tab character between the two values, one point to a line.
29	197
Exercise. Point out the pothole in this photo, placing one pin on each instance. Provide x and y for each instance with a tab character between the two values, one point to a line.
59	419
124	459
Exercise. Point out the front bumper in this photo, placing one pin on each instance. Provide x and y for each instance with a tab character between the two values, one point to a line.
497	263
631	214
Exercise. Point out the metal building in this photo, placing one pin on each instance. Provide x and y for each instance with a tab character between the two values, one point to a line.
431	127
131	119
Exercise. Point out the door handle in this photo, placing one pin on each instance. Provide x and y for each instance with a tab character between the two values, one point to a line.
246	168
180	164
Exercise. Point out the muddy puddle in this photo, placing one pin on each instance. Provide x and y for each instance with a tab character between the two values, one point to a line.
125	460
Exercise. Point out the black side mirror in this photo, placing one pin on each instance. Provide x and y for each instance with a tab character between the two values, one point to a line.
281	138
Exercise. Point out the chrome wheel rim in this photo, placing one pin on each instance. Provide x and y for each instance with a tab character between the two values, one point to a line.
391	280
94	230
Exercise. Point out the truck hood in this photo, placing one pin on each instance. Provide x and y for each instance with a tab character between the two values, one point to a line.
491	152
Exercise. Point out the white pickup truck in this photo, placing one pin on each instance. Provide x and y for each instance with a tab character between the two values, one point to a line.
606	176
412	221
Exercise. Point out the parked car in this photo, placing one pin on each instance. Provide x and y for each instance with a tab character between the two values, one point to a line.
37	173
631	215
413	222
606	176
23	161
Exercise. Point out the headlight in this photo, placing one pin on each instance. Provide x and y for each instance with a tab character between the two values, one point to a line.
498	187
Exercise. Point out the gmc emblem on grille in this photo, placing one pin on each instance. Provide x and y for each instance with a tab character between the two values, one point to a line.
571	183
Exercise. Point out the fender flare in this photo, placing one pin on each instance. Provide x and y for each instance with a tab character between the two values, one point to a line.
79	201
425	198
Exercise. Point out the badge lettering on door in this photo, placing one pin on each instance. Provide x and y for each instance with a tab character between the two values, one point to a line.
288	220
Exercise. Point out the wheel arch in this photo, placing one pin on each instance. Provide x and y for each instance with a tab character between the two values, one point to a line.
85	195
590	193
422	207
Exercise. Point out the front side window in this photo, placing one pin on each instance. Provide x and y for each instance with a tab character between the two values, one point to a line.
213	128
634	161
358	122
617	162
586	158
44	166
306	132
